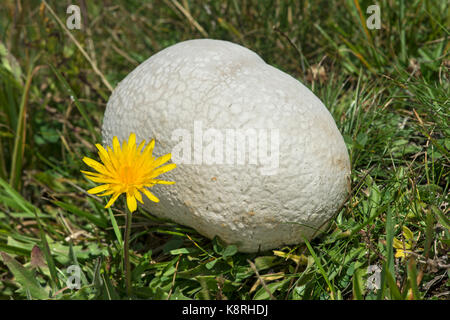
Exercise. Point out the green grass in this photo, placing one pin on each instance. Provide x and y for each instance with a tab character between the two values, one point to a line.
387	89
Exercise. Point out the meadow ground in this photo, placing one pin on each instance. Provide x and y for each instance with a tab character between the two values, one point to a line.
387	89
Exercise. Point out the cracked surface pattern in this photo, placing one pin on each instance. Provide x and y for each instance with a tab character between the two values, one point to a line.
225	86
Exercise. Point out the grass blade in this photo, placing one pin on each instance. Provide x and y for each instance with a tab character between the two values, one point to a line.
441	217
82	214
412	279
48	256
19	142
18	199
357	291
115	227
395	292
320	267
75	100
389	264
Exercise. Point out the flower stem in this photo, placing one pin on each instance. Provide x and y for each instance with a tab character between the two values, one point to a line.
126	255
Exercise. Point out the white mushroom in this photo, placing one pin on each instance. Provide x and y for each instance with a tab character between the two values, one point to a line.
199	99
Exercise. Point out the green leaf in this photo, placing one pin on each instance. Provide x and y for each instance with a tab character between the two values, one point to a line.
183	251
262	293
358	285
265	262
24	277
209	265
229	251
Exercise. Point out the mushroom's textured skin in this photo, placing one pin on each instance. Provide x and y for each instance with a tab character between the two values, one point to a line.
221	85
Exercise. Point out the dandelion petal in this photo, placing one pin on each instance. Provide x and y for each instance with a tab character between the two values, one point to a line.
131	202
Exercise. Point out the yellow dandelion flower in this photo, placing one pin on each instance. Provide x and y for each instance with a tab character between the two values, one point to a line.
403	248
130	170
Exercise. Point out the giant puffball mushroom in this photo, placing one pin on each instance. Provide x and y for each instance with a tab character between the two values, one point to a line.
260	161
